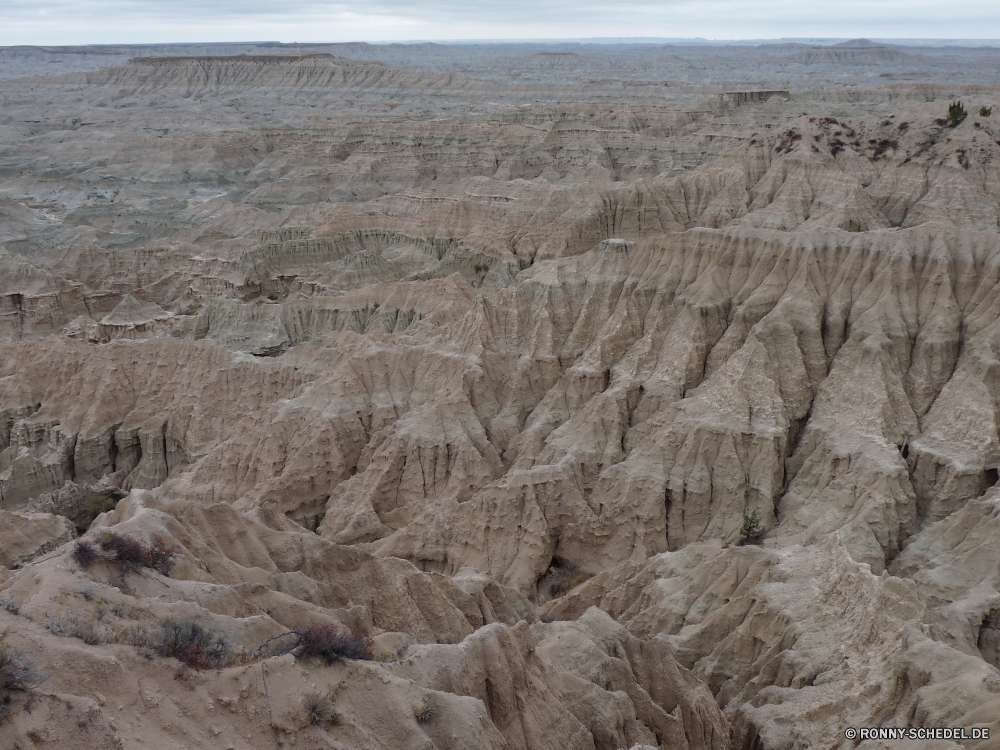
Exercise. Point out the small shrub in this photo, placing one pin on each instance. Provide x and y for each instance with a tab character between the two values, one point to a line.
132	635
956	113
85	630
330	643
750	531
319	710
425	713
903	126
883	146
10	605
161	557
132	554
195	645
127	551
985	111
84	553
563	577
18	674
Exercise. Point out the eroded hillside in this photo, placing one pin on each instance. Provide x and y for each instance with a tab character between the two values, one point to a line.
495	374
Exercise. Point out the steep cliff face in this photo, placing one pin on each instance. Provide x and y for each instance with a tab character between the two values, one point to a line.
502	387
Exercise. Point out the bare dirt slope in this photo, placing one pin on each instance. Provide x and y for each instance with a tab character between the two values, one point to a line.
495	374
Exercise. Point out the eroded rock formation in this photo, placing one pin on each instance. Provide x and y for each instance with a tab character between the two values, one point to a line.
498	383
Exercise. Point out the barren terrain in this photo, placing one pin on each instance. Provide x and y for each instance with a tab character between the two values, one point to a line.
491	356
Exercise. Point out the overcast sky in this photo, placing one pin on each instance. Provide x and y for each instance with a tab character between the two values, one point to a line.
144	21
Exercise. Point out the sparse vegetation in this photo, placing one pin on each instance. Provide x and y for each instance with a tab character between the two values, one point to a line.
331	643
956	114
195	645
18	674
884	145
10	605
564	577
132	554
985	111
319	710
426	711
85	630
84	553
750	531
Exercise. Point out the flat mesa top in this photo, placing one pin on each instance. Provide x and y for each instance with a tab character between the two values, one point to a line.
276	58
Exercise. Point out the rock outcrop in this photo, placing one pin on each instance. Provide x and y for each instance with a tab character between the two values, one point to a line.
585	417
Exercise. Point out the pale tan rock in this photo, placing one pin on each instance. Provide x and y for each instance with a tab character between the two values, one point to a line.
29	535
499	386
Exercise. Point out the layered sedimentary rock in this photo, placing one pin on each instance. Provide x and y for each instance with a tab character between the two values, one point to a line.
502	384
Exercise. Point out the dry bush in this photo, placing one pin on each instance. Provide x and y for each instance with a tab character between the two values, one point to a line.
197	646
132	554
85	630
18	674
331	643
319	709
84	553
564	577
425	713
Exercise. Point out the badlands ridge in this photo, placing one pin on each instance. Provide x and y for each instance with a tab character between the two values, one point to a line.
491	369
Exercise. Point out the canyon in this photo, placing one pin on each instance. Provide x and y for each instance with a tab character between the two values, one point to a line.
638	396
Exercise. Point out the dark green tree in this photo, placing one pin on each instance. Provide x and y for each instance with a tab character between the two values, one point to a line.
956	113
751	531
985	111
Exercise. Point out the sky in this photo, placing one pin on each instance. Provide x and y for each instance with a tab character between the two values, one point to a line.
41	22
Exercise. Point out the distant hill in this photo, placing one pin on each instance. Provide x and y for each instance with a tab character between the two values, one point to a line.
851	55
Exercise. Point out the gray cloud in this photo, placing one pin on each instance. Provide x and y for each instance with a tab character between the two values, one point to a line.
62	21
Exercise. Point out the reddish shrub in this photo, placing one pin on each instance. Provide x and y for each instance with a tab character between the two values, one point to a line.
160	556
883	146
126	550
133	554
